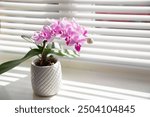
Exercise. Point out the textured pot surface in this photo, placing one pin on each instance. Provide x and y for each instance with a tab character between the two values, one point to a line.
46	80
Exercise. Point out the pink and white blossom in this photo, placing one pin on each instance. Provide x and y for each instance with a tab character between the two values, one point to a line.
69	31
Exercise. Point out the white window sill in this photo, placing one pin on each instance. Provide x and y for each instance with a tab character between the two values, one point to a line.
80	81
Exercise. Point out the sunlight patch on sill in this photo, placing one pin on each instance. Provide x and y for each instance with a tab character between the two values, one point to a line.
76	95
18	75
97	91
24	69
11	79
2	83
13	75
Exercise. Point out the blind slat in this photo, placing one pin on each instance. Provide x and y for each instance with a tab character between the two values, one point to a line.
37	15
123	46
122	39
103	31
23	20
29	6
18	44
100	24
120	32
120	53
111	24
117	60
112	9
17	32
70	7
13	49
21	26
104	2
32	14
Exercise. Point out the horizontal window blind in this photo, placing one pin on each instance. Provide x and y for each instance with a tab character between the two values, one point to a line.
120	28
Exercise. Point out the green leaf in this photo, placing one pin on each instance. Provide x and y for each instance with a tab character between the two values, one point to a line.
40	47
49	46
63	53
47	51
11	64
56	45
72	53
58	50
27	38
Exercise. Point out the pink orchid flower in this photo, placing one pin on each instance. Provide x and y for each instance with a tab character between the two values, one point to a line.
70	31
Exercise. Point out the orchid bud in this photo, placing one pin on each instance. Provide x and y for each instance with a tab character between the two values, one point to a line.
89	40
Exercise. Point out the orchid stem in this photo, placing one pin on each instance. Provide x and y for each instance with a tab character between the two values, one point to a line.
43	56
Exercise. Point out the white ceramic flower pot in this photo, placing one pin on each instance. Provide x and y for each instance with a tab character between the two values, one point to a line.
46	80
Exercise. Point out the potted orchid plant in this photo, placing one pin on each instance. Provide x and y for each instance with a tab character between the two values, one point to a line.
46	71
